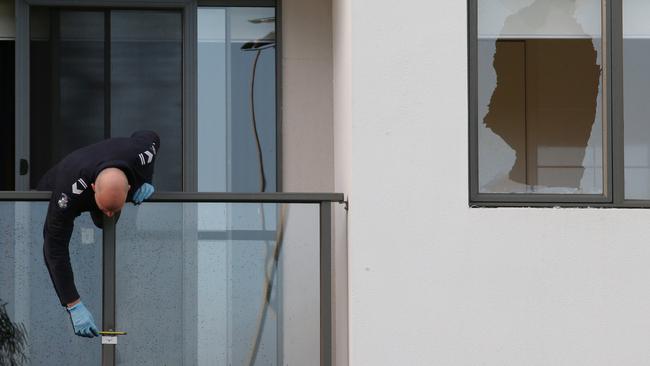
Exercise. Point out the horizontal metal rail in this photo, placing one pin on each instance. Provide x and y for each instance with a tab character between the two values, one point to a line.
279	197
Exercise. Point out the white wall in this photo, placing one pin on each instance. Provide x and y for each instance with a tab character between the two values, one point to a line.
433	282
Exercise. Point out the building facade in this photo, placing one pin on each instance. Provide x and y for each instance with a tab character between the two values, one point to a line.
434	281
493	155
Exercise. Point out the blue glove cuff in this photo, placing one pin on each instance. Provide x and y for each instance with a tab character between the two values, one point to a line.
75	306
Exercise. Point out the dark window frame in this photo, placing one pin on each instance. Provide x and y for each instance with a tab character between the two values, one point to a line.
613	159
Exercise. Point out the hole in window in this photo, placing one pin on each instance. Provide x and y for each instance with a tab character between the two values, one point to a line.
540	97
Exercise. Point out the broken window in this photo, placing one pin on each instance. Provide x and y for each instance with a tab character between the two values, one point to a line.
541	126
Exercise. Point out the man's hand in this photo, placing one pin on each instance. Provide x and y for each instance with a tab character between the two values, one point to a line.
82	321
145	191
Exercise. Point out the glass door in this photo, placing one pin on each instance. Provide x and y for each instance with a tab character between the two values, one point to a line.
101	73
236	124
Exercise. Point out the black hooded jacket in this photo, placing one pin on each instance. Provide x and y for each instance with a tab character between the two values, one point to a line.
70	182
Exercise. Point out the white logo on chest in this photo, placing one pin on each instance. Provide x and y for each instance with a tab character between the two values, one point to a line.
63	201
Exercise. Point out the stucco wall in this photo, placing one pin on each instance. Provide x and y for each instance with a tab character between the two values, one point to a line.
433	282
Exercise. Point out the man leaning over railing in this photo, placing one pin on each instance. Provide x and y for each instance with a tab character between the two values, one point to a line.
98	178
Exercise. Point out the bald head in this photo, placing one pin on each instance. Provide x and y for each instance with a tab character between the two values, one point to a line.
111	187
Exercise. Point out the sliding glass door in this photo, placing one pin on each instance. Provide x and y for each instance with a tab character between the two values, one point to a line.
96	74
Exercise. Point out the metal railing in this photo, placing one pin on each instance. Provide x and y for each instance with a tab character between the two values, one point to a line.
324	200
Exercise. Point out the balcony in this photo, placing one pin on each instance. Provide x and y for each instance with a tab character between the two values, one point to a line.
192	278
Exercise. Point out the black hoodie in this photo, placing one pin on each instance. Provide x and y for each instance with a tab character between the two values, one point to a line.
70	181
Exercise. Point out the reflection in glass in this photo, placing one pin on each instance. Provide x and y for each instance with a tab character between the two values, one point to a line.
66	85
236	106
71	84
191	284
26	287
539	93
636	83
146	84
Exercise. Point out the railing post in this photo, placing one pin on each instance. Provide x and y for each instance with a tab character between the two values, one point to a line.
108	288
326	319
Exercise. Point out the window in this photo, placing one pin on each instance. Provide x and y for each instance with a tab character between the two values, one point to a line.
236	99
547	90
96	74
203	77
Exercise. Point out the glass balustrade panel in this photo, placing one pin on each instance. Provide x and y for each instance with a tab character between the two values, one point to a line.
192	282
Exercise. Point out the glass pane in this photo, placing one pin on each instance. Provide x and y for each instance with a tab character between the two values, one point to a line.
146	84
191	284
7	94
67	85
7	116
636	79
237	99
540	99
26	287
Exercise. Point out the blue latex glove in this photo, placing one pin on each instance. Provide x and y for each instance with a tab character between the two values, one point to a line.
82	321
145	191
